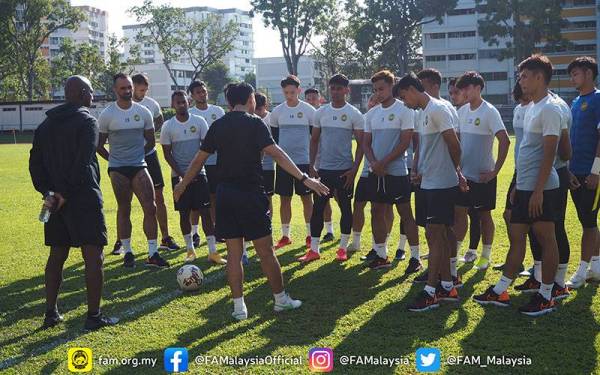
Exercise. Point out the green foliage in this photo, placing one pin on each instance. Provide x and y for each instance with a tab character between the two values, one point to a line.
216	78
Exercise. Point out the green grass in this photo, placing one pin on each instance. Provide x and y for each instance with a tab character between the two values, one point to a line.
346	307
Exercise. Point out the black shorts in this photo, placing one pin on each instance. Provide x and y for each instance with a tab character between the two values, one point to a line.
420	206
513	183
362	193
563	193
332	180
78	223
388	189
212	176
242	213
154	170
269	182
196	196
583	198
520	209
439	205
286	184
481	196
128	172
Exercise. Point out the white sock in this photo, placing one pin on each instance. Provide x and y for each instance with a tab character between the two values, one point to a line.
537	270
387	238
561	272
458	246
502	285
126	245
402	242
307	229
189	242
582	270
285	230
381	249
595	264
212	244
329	226
453	270
152	247
447	285
314	244
430	290
414	252
356	239
194	229
245	251
546	290
239	304
344	239
281	298
486	252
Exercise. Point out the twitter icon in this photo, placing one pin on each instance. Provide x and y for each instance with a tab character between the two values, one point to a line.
428	359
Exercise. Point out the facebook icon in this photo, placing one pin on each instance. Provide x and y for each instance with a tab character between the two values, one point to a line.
176	360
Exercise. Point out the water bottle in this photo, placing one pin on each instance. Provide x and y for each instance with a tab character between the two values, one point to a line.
45	212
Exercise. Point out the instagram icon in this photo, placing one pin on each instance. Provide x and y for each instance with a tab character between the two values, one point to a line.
320	360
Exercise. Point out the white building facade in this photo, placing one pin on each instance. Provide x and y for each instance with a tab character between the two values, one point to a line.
271	70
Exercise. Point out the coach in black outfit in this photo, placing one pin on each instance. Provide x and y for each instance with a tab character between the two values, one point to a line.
64	169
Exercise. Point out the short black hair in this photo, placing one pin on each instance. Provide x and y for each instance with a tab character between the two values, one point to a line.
290	80
431	74
261	99
538	63
119	76
339	79
195	84
396	90
470	78
178	93
238	93
452	82
410	79
140	79
517	91
584	62
312	90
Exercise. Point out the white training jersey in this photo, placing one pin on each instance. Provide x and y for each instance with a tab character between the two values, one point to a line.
565	124
518	122
154	108
268	164
294	129
209	114
185	139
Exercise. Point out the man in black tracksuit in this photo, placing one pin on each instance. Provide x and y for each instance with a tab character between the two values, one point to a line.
64	169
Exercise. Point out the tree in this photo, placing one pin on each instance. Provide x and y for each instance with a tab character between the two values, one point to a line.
83	59
389	30
29	25
216	77
250	78
296	21
522	24
115	64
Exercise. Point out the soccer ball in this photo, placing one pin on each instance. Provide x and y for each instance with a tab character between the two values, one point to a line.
189	277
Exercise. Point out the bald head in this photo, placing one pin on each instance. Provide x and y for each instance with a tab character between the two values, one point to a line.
78	91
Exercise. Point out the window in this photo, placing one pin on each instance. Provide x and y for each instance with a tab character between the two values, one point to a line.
560	72
433	58
461	12
575	48
147	45
437	36
247	61
9	109
462	56
245	43
490	53
34	108
495	76
574	25
148	53
462	34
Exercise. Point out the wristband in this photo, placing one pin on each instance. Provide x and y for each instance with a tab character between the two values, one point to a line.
596	166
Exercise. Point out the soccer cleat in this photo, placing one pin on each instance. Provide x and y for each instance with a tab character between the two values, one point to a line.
575	282
424	302
530	285
240	315
220	240
414	265
559	292
341	255
245	260
328	237
538	305
446	295
196	240
489	297
129	260
422	278
469	257
93	323
592	276
482	263
168	243
52	319
117	248
307	241
190	257
156	261
288	304
457	281
309	257
498	267
216	258
284	241
371	255
400	254
380	263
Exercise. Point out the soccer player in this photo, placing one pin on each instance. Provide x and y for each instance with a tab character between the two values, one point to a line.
129	129
240	138
388	133
64	169
294	119
585	165
210	113
333	127
140	88
438	170
536	195
480	122
181	138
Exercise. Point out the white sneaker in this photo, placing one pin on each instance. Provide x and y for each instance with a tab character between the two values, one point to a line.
592	276
469	257
575	282
288	304
240	315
